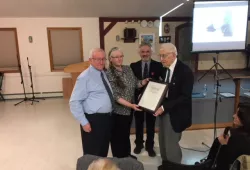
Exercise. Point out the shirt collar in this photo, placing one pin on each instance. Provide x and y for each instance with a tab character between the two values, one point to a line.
92	68
172	66
146	61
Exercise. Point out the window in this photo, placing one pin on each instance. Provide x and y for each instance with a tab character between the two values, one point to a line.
65	47
9	52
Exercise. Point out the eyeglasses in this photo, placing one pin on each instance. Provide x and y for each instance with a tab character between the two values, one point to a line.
117	57
99	59
164	56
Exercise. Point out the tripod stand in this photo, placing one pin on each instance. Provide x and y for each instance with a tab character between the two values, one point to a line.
216	65
25	96
31	80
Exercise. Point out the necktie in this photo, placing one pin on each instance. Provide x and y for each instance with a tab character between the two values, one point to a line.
108	89
145	71
167	75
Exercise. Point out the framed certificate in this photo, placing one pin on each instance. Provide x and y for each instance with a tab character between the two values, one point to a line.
153	95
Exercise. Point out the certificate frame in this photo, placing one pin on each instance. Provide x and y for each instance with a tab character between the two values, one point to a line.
152	96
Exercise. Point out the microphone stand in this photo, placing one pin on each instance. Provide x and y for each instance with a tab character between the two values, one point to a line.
216	65
22	82
31	80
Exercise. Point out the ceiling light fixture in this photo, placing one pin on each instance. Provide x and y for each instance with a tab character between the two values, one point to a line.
160	27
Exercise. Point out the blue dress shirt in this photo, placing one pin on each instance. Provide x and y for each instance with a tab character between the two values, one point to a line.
89	95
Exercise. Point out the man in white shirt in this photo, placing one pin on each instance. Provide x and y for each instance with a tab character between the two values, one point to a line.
175	114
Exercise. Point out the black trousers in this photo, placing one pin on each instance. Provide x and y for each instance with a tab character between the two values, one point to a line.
120	138
218	154
150	126
97	141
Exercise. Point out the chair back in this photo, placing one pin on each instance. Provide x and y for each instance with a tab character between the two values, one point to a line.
241	163
168	165
123	163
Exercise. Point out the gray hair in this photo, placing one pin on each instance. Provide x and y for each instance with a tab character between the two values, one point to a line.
145	44
94	50
103	164
169	47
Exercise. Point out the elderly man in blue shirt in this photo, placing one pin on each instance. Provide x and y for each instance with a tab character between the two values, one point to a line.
91	104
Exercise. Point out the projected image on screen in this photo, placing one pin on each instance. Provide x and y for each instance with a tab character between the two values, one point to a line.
219	25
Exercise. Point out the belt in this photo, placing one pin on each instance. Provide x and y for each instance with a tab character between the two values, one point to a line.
103	114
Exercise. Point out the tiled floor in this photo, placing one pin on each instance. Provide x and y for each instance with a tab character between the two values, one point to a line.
45	136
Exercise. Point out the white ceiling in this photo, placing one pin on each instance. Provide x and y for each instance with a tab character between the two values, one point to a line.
93	8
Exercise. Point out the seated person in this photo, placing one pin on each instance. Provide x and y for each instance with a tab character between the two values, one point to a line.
83	163
225	150
103	164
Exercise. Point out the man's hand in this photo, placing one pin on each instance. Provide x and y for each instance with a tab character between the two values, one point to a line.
222	140
87	128
145	81
158	112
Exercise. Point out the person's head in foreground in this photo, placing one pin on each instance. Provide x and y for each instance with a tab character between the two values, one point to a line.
103	164
242	118
168	54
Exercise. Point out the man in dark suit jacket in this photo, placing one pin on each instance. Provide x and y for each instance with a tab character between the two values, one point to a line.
145	68
175	114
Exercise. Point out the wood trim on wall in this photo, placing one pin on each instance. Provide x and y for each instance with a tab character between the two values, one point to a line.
17	51
50	44
9	71
113	21
50	49
103	31
136	19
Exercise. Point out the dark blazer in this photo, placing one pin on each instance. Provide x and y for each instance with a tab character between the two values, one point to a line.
155	72
238	144
179	102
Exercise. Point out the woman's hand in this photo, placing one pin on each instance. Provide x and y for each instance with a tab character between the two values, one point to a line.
135	107
222	140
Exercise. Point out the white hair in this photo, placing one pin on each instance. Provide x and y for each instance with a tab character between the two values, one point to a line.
103	164
169	47
93	50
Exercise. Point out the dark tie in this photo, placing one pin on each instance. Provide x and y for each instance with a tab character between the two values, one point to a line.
145	71
108	89
167	75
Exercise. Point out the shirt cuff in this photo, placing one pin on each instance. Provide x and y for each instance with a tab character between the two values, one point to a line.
84	121
162	108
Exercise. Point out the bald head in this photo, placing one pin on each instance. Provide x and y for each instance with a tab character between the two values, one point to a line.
168	54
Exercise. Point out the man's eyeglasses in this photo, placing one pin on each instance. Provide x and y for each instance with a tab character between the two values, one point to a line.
164	55
117	57
99	59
